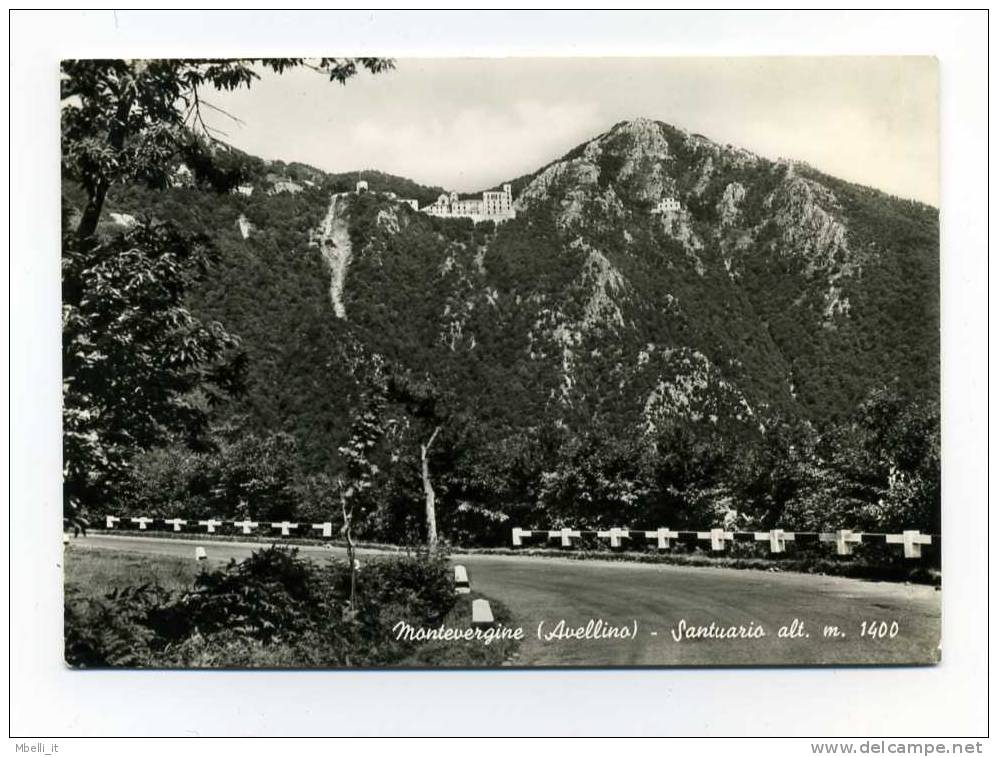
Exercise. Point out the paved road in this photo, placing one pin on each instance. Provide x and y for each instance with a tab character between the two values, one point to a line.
654	599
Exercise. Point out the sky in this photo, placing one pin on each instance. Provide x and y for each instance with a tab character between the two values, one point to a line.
467	124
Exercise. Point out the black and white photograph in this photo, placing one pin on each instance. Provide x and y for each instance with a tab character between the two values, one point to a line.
346	385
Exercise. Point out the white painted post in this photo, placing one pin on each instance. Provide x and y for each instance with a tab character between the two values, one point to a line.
615	535
284	526
176	523
481	613
777	539
518	534
845	540
200	553
247	525
717	538
663	537
461	583
142	522
65	538
566	535
912	541
326	528
110	520
211	523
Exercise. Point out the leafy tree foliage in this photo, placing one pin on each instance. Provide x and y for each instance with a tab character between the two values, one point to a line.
880	468
123	120
241	475
139	369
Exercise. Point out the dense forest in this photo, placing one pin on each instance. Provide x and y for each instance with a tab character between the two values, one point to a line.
766	356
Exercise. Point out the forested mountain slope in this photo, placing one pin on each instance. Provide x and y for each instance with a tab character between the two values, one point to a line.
590	331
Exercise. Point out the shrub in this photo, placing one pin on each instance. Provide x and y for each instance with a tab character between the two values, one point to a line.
117	630
271	595
273	609
415	586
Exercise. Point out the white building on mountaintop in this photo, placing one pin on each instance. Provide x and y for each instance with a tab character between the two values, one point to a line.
667	205
283	186
493	206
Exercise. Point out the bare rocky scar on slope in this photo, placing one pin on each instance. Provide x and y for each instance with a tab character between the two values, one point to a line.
333	241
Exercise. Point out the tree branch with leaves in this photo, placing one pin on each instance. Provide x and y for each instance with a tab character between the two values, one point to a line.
138	368
124	120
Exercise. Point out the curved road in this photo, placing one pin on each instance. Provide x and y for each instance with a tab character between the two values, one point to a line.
655	599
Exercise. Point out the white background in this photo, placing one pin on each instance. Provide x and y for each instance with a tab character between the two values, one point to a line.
47	700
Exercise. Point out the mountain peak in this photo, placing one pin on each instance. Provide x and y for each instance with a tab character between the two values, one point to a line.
651	274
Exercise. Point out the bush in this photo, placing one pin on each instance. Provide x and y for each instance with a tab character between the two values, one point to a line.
272	595
274	609
117	630
415	587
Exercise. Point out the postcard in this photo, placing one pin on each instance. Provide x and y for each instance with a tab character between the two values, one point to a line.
501	363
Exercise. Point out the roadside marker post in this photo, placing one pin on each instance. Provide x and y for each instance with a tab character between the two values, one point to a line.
481	613
912	541
326	528
211	524
518	534
777	539
566	535
845	540
110	520
200	554
247	526
461	583
142	522
65	538
663	537
717	536
284	526
176	523
614	535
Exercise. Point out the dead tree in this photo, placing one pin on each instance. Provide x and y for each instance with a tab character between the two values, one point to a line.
431	497
351	549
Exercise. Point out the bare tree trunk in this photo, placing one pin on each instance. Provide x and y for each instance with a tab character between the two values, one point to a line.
431	497
351	551
97	191
91	214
